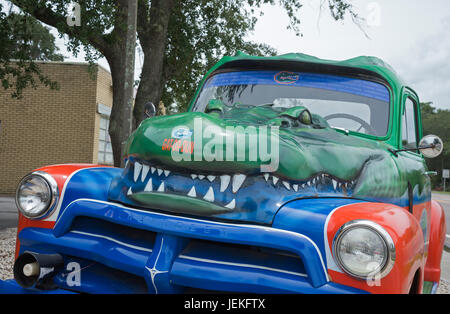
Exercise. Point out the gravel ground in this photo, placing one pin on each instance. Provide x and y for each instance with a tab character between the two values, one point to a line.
7	249
8	244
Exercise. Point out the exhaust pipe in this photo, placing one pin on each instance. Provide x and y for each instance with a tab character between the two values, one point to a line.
34	270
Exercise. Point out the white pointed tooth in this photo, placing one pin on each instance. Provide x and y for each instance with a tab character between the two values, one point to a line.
166	173
129	191
159	171
231	205
161	187
295	187
201	177
303	186
275	180
126	163
192	192
211	178
266	176
149	186
224	182
145	169
209	195
152	169
286	185
309	183
137	170
238	180
334	184
193	176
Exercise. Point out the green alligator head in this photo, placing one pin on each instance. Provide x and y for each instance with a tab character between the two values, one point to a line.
201	173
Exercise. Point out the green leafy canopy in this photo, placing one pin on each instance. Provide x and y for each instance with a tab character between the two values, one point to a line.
24	40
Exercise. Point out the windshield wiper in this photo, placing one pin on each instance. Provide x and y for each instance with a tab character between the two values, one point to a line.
342	129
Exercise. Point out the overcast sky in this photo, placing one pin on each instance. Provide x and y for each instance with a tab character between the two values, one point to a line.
411	35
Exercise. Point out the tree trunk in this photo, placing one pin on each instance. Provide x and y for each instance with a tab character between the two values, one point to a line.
117	124
122	73
153	38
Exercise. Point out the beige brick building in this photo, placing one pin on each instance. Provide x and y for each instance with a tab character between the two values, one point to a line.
48	127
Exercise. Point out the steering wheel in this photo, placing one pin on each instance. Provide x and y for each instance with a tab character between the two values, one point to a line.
363	123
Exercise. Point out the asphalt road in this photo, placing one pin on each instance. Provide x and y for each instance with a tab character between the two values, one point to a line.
444	200
8	212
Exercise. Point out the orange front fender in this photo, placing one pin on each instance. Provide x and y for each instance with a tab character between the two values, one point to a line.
408	238
436	244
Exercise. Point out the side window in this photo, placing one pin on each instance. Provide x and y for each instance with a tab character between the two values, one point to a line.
409	125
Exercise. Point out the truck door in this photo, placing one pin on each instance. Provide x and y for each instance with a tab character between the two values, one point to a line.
414	166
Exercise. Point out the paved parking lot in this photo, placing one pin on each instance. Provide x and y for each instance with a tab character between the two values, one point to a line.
444	200
8	212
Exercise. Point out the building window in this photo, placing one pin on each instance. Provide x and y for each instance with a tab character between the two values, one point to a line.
105	155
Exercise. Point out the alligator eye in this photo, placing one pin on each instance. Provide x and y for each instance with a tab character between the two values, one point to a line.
215	105
305	117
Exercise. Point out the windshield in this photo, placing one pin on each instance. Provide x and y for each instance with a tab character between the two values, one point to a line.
348	103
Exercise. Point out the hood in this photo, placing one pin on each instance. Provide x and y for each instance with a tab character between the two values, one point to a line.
207	164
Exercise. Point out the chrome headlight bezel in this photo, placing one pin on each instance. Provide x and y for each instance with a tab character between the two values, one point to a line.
381	232
52	190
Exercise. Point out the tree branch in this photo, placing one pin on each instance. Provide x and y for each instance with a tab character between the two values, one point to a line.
143	19
49	17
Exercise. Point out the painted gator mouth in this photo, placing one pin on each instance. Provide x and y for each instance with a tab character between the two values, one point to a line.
207	193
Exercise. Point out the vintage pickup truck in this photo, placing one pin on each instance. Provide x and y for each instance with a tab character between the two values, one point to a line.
287	174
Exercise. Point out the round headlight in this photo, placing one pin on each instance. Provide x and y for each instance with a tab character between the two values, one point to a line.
363	249
36	195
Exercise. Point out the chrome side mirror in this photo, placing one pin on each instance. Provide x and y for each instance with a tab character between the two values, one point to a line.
431	146
149	110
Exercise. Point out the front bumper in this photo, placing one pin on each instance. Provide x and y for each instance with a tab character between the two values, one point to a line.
119	249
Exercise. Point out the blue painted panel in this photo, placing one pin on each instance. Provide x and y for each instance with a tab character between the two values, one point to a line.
308	216
95	277
89	183
218	277
112	254
322	81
